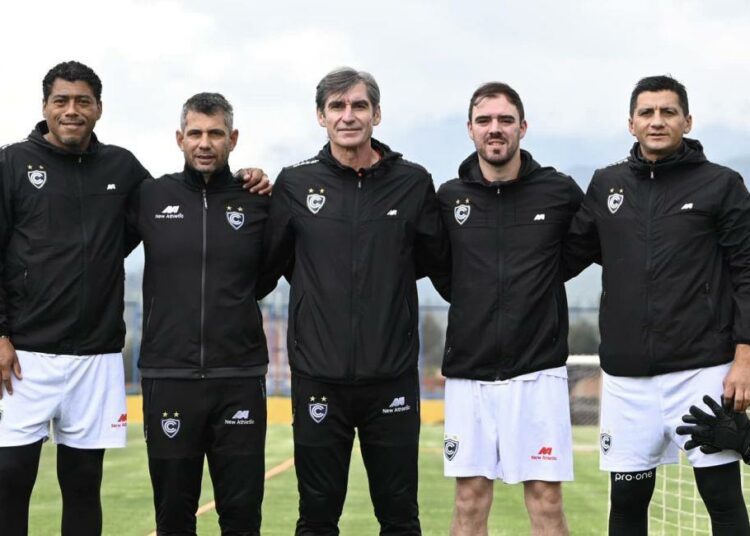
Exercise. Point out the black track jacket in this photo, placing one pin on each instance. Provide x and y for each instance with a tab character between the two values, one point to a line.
203	248
357	240
62	226
673	239
509	313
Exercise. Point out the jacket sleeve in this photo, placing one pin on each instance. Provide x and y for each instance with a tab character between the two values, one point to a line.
6	228
581	245
278	241
733	226
432	248
132	236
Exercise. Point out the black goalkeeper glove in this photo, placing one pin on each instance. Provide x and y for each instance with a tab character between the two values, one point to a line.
713	433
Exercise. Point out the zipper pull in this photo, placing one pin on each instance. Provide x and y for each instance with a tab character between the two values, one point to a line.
498	190
652	173
205	201
359	184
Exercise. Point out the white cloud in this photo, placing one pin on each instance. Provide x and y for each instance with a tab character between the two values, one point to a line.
574	63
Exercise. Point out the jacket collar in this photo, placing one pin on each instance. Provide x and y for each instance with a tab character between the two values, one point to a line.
41	129
220	179
690	152
387	158
470	172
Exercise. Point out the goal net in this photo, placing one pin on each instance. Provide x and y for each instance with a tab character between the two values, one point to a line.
676	507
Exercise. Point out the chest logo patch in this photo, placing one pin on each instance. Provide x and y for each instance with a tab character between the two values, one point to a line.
37	177
462	210
615	200
315	200
235	217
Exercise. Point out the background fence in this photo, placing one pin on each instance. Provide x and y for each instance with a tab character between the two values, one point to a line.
583	371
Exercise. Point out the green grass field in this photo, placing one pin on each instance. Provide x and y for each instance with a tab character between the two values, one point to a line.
126	492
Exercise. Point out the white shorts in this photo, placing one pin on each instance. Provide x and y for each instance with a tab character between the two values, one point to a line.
639	417
83	397
515	430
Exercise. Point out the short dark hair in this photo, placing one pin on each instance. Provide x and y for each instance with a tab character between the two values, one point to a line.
659	83
208	104
72	71
495	89
340	80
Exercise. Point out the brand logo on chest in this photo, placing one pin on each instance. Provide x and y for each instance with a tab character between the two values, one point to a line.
170	212
235	217
615	200
37	177
315	200
462	210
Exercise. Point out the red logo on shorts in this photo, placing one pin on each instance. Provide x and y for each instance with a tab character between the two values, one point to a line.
121	422
544	454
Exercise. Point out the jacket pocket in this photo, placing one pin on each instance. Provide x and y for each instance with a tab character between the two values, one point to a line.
409	318
556	316
602	313
717	323
296	316
149	315
258	328
18	292
709	302
149	386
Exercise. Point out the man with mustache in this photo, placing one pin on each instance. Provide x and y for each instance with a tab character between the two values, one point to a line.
506	390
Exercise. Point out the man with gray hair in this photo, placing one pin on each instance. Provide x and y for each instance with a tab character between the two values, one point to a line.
353	228
203	355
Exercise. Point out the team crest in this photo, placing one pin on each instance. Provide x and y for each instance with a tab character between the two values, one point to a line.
462	211
318	410
614	200
170	425
315	200
450	447
605	441
37	177
235	218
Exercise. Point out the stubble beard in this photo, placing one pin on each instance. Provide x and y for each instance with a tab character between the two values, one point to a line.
499	160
